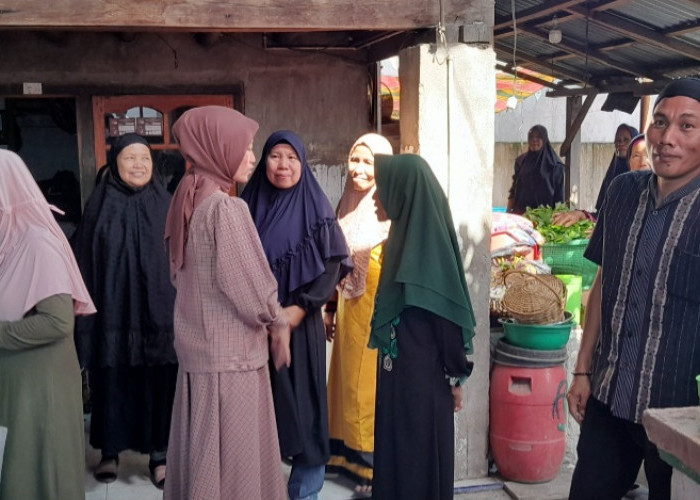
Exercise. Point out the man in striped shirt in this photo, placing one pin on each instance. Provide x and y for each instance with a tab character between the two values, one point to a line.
641	342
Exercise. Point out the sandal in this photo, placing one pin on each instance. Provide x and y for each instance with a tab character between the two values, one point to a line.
364	488
106	470
157	470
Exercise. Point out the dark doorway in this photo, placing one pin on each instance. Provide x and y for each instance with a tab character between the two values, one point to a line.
43	132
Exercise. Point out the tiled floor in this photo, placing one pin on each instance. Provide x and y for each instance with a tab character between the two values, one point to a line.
134	482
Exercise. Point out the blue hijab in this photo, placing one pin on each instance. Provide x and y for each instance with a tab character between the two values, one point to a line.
297	226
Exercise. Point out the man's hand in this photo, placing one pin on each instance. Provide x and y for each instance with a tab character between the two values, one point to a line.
577	397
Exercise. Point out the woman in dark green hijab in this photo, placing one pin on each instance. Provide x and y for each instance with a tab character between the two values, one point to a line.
423	325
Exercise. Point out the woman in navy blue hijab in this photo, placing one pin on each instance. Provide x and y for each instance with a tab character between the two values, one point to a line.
308	255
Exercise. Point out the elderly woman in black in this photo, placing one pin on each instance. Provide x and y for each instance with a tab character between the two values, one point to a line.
539	175
127	346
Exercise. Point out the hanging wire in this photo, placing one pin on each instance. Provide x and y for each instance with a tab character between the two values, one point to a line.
441	38
585	67
515	71
515	47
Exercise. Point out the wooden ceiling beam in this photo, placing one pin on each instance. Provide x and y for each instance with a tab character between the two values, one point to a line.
543	14
636	88
592	54
683	28
507	55
215	15
627	28
539	11
530	78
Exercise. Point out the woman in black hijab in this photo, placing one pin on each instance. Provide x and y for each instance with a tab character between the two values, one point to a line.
618	165
127	347
539	175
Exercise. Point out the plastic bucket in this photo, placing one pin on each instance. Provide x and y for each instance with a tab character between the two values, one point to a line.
551	336
509	354
574	289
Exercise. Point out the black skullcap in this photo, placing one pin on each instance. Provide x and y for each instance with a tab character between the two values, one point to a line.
685	87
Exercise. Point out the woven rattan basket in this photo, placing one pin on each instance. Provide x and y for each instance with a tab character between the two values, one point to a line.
534	299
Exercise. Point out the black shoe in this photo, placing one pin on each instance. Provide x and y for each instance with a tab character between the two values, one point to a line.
157	470
106	470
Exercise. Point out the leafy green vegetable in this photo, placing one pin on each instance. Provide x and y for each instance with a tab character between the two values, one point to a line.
541	218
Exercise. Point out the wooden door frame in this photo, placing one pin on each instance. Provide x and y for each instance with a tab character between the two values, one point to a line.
164	103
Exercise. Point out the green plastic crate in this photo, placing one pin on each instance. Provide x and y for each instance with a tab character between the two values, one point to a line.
568	259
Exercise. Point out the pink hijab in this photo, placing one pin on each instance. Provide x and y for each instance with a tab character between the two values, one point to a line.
214	140
358	220
36	260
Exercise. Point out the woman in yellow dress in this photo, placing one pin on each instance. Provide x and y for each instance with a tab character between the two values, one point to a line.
353	369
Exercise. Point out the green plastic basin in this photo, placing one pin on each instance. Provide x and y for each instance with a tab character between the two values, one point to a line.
544	337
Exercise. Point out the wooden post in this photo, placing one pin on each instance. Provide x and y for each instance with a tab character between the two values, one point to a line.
645	113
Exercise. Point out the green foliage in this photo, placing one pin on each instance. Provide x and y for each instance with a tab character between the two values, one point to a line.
541	217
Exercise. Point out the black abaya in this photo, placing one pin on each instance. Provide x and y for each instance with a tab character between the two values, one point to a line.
299	392
414	422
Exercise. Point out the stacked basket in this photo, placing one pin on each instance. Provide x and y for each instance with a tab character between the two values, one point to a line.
535	309
527	416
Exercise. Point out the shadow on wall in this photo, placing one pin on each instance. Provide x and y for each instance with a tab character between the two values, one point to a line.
472	251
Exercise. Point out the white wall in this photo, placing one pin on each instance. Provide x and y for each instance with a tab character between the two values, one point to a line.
598	126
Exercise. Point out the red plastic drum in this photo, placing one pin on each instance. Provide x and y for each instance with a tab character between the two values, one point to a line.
528	421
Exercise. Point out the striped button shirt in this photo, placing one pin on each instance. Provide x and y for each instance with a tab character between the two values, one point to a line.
648	352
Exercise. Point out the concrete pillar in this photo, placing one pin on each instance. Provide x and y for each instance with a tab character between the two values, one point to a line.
448	93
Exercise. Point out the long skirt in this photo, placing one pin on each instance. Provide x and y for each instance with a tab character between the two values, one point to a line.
352	382
131	408
41	409
223	439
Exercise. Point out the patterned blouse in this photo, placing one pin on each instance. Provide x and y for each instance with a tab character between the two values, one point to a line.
226	294
648	353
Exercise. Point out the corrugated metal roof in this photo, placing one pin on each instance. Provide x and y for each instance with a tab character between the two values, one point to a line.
606	45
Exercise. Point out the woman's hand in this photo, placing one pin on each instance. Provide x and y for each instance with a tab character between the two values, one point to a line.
329	323
295	314
280	336
567	219
577	397
457	396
